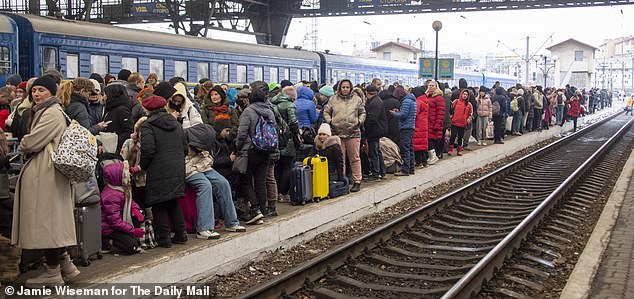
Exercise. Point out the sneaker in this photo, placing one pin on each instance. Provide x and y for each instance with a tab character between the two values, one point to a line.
400	174
259	222
254	216
217	224
484	143
479	142
207	235
180	238
270	212
498	142
50	277
372	178
356	187
237	228
69	270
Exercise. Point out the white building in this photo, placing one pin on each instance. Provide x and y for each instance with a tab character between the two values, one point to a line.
395	51
575	63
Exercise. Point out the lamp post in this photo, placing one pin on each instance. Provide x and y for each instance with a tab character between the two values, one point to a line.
547	68
436	25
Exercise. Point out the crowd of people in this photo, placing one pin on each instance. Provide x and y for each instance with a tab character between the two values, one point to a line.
210	143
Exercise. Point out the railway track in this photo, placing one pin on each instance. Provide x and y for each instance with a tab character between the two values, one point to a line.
452	245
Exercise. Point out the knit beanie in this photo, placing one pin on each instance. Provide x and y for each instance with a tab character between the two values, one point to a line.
220	91
222	124
22	85
14	79
164	90
154	102
324	129
272	86
83	84
285	83
327	91
97	77
47	82
97	85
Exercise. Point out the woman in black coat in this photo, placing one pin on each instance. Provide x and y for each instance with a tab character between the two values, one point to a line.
163	150
118	114
393	126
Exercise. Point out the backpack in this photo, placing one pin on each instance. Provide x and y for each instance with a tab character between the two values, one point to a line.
284	131
76	154
514	105
560	100
496	108
266	137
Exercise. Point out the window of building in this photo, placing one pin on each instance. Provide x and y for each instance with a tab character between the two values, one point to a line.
578	55
49	59
314	76
157	67
298	73
130	63
72	66
287	74
223	73
5	60
387	55
180	69
258	73
99	64
241	74
203	71
273	74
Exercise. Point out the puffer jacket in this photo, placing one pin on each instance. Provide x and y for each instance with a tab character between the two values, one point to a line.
393	125
113	202
501	98
189	115
575	107
461	113
248	121
289	113
331	149
375	121
421	131
345	114
407	114
484	107
78	110
538	101
436	120
117	111
306	111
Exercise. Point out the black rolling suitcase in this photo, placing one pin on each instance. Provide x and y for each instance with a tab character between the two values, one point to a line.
88	230
301	191
338	188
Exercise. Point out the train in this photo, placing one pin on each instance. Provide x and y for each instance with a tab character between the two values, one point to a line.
33	44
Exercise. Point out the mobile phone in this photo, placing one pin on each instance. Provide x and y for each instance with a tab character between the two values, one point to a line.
107	122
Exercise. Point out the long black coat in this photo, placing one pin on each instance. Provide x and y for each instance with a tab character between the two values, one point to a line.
163	150
118	111
393	124
375	119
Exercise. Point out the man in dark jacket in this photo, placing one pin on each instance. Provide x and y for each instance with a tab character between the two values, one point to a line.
117	114
165	170
375	128
501	99
391	103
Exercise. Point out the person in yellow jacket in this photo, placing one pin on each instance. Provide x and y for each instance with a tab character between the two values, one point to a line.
628	107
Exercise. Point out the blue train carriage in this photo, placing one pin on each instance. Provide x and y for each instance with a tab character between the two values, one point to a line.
506	81
8	48
78	48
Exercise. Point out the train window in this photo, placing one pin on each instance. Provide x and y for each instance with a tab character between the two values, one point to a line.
241	74
99	64
180	69
306	75
223	73
287	74
203	71
49	59
157	67
5	60
72	66
298	73
334	77
130	63
258	73
273	74
361	78
314	77
353	78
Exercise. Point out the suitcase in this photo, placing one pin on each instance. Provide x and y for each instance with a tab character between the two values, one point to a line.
88	230
338	188
319	171
304	151
301	190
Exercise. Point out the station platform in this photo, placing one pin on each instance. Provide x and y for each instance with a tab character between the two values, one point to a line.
605	269
201	259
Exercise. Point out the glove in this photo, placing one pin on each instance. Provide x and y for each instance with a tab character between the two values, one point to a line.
137	214
139	232
134	169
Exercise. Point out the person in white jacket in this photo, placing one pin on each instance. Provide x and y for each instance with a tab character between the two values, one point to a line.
182	108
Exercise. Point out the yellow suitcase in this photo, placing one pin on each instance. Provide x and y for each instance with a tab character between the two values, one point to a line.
319	169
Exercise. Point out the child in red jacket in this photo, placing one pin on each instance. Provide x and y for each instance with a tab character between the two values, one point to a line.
461	117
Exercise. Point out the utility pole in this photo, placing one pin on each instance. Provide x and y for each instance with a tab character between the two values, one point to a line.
528	62
622	76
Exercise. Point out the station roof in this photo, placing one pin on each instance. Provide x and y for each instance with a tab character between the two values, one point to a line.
571	40
397	44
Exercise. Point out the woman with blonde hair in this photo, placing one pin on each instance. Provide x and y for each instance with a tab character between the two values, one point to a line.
73	96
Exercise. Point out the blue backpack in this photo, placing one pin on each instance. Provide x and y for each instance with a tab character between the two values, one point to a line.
266	137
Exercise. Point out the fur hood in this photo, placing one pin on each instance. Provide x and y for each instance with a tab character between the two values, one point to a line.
332	140
436	93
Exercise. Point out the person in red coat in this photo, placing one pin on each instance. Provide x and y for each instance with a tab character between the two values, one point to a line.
461	117
435	120
574	110
421	131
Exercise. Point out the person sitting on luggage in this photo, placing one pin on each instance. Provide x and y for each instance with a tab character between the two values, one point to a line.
330	147
119	212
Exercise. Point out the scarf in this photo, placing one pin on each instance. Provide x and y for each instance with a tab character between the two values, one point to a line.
219	109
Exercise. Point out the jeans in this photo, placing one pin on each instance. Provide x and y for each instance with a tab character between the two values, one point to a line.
560	114
208	184
271	186
518	117
376	157
456	132
481	125
407	150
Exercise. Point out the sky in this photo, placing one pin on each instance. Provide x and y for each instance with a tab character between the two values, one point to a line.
500	32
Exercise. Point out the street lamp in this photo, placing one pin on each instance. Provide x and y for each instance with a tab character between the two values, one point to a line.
437	25
546	67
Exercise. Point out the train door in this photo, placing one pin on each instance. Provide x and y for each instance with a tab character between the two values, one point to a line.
50	59
6	63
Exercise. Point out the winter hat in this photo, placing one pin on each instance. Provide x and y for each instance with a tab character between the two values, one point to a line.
324	129
520	92
83	84
272	86
97	77
14	79
108	77
221	124
47	82
22	85
154	102
220	91
371	89
244	93
124	75
327	91
97	85
259	91
285	83
164	90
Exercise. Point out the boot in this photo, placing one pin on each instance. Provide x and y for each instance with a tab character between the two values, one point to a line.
459	150
450	150
69	270
432	157
50	277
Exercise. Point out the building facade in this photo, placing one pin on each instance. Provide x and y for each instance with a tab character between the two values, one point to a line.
396	51
575	64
